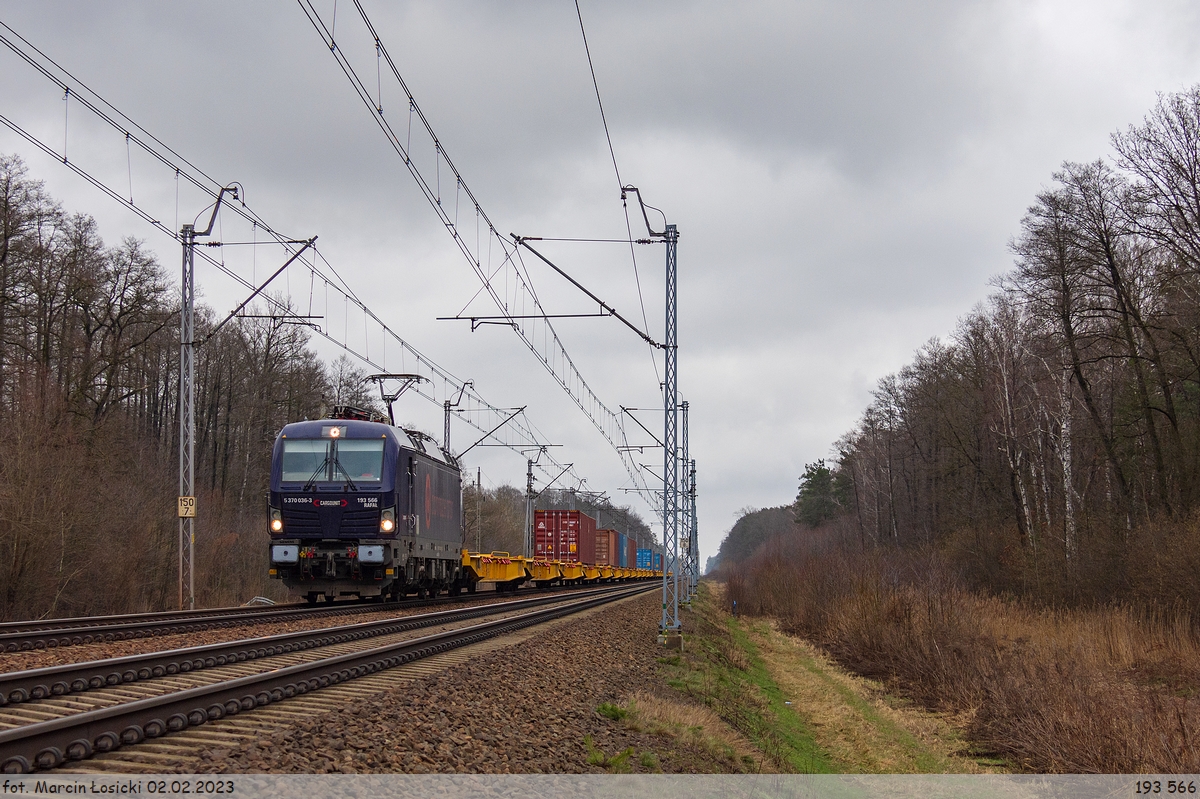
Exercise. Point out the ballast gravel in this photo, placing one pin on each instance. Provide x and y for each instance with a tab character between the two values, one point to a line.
529	708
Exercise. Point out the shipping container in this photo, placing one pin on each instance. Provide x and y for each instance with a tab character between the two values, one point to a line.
622	549
631	548
644	558
586	550
545	534
606	548
565	535
658	561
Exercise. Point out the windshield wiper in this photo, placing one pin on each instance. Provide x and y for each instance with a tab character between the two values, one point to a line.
338	464
312	481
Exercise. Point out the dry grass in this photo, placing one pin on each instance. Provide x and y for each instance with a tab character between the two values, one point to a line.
852	717
691	724
1104	690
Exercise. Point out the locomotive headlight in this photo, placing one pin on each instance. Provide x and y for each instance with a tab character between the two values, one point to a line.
387	520
276	520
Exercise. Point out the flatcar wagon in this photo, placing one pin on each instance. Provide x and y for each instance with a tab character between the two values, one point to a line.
362	508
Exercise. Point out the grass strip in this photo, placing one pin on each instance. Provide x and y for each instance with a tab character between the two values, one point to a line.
722	668
860	735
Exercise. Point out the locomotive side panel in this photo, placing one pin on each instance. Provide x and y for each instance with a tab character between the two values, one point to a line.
433	511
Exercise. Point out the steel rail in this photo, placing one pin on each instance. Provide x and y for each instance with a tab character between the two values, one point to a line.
18	687
41	625
22	641
48	744
25	636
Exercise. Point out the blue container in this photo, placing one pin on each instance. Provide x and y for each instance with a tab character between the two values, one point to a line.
622	555
643	558
658	561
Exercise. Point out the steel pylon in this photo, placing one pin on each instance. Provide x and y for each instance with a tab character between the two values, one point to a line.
693	535
685	509
671	560
187	421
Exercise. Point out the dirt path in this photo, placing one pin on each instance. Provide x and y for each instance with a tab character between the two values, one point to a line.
861	728
802	710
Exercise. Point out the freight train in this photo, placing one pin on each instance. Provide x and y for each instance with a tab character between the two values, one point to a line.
362	508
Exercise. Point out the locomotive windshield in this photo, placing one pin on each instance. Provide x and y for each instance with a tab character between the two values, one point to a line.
332	460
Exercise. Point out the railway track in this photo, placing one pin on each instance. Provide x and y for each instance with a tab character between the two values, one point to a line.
32	635
26	636
48	722
73	679
46	625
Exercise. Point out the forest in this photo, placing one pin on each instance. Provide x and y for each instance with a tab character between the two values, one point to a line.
1011	533
1052	444
89	354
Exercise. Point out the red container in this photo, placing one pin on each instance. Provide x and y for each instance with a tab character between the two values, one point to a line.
545	534
631	552
566	535
606	548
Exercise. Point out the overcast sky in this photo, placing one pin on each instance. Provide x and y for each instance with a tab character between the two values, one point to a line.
846	178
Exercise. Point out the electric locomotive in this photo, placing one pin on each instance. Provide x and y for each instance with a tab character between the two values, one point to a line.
362	508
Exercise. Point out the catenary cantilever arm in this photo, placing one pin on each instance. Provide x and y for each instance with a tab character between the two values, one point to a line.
608	308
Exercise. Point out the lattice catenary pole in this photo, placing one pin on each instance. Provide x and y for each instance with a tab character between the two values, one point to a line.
685	523
694	545
187	424
187	405
671	561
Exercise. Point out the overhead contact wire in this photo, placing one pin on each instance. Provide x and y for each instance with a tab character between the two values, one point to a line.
620	184
532	436
432	196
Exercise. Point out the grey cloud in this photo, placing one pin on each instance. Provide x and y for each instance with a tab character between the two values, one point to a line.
846	175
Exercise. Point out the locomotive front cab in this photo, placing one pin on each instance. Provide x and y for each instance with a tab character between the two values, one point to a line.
332	507
361	508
